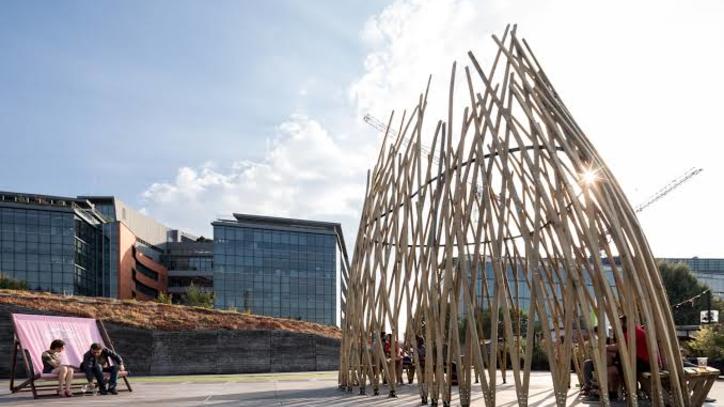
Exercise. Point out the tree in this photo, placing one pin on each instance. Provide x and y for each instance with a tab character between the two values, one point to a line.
681	285
196	297
484	318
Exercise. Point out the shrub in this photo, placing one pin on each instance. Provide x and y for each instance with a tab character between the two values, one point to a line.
12	284
709	342
196	297
539	358
164	298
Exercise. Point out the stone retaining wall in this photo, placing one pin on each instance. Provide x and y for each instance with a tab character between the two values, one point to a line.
151	352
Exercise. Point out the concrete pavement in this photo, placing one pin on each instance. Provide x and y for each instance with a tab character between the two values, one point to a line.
285	389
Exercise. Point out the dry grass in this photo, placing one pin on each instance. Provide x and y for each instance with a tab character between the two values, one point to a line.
151	315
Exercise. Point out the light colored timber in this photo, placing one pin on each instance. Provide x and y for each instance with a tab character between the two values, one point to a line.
497	232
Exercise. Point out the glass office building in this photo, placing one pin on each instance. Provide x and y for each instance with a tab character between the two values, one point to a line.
77	246
277	267
518	289
98	246
109	275
485	286
135	244
52	243
189	261
707	270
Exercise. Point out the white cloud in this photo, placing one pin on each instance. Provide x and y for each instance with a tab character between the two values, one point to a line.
641	78
304	174
411	40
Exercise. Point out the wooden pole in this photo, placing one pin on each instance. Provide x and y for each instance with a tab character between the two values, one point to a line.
497	221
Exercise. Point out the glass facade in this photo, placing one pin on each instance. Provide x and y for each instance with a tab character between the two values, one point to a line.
144	289
185	282
52	250
71	246
274	272
146	271
108	210
110	262
195	263
88	258
485	283
189	262
518	285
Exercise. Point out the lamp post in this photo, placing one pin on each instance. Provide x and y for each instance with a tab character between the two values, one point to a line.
708	307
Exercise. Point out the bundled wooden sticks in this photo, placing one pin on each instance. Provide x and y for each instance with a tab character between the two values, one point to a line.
508	237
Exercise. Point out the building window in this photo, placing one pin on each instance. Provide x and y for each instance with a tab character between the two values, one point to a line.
146	271
146	290
277	273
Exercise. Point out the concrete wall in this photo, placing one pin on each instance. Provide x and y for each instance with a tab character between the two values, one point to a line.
150	352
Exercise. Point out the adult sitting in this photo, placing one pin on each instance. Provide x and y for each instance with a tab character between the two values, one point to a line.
96	361
588	367
420	349
394	357
52	364
642	354
408	359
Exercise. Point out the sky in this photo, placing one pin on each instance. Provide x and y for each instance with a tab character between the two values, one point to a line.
191	110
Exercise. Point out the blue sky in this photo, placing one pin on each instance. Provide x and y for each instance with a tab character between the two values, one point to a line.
191	110
102	97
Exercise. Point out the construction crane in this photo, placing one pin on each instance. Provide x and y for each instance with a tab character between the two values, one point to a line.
374	122
672	185
675	183
382	128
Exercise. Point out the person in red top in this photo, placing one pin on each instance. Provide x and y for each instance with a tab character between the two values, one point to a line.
615	370
642	349
395	360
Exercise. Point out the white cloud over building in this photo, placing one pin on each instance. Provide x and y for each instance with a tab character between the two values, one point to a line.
641	78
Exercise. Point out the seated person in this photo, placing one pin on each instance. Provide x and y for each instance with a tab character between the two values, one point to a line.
642	349
96	361
642	355
420	349
588	349
377	339
52	364
395	361
407	363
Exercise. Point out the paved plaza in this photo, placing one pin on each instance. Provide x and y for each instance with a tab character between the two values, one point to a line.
284	389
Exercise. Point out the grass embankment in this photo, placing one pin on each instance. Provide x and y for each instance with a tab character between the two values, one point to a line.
151	315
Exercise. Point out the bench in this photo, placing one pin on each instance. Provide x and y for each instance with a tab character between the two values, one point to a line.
33	334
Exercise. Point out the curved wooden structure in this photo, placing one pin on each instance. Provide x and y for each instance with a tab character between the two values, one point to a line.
512	220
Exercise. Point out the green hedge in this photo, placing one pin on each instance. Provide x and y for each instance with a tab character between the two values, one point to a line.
12	284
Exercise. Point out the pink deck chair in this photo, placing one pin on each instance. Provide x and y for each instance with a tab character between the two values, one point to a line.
33	334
